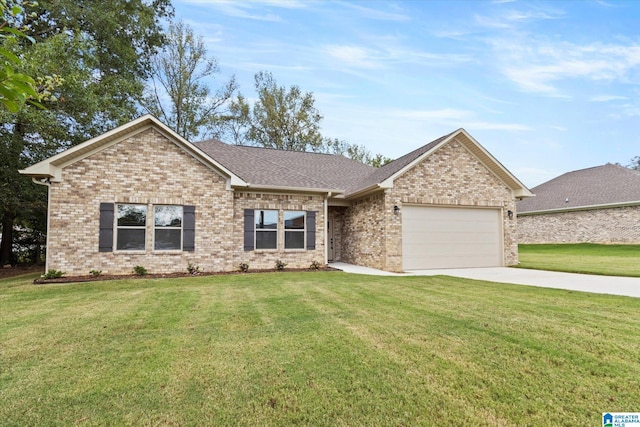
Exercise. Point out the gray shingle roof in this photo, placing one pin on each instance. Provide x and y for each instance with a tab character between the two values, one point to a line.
269	167
600	185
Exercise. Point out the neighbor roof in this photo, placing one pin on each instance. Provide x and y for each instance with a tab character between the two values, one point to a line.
601	186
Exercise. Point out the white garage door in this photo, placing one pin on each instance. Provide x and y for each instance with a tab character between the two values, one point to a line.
435	237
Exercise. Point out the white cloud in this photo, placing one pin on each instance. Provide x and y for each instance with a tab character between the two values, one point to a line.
370	13
607	98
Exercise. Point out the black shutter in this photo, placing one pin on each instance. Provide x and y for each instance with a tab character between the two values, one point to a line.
105	238
188	228
311	230
249	224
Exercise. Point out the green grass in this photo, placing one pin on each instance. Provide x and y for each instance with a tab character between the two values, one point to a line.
589	258
322	348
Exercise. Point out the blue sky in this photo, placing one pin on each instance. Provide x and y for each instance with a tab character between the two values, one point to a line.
546	86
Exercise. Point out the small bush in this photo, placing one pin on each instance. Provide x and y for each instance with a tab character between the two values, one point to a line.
315	265
280	265
52	274
244	267
193	269
95	273
140	270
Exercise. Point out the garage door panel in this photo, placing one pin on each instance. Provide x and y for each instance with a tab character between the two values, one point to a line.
434	237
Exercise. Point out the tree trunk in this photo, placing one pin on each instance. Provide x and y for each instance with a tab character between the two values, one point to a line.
6	244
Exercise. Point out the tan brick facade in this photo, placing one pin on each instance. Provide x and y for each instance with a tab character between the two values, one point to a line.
613	225
148	169
451	176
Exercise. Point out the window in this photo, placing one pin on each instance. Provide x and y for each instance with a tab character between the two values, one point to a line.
167	228
294	233
131	225
266	231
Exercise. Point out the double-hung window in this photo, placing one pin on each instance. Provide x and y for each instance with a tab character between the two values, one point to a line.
167	225
131	227
294	229
266	230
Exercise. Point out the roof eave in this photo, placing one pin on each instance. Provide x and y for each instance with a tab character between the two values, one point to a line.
264	187
581	208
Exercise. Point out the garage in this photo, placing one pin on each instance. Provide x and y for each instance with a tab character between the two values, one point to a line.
451	237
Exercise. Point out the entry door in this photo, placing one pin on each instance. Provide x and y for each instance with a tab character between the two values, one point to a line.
331	252
451	237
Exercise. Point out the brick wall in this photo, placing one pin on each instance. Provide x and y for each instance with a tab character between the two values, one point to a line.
148	169
266	259
451	177
614	225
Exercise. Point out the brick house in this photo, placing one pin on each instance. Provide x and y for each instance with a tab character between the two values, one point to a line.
595	205
142	195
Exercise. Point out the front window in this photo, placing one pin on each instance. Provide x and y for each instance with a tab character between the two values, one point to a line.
266	229
131	225
294	233
167	228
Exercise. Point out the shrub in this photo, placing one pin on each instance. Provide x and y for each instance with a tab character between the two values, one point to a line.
315	265
95	273
140	270
244	267
280	265
52	274
193	269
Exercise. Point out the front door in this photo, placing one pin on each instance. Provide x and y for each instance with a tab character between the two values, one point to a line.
330	238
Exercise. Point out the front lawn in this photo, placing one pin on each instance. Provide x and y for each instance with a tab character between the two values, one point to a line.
322	348
589	258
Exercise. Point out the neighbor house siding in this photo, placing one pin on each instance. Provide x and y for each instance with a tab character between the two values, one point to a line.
451	176
266	259
143	169
613	225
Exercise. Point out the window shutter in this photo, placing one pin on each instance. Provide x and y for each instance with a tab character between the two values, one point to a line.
249	224
105	237
311	230
188	228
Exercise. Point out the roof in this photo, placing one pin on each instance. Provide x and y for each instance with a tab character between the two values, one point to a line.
269	169
601	186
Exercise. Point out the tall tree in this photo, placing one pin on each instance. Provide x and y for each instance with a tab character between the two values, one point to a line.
635	163
281	118
101	51
178	93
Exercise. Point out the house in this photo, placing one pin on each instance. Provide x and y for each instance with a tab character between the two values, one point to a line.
142	195
597	205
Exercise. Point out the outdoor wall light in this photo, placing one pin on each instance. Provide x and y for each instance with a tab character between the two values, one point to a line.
510	214
396	210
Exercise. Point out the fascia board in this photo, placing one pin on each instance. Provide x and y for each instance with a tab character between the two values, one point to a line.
580	208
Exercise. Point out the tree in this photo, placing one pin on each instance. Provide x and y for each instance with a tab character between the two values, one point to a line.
281	118
15	88
179	72
101	51
635	163
355	152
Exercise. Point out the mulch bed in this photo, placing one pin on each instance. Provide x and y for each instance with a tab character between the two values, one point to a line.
103	277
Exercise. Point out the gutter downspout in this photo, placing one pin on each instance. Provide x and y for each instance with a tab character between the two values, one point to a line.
47	183
326	227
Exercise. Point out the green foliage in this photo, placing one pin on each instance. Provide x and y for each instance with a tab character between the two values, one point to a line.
244	267
52	274
315	265
179	72
95	273
193	269
280	265
140	270
355	152
635	163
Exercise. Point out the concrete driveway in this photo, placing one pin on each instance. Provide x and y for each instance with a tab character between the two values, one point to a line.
626	286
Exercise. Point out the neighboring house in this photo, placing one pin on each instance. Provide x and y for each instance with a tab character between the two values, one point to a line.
597	205
142	195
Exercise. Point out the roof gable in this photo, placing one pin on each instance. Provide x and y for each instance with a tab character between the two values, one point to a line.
601	186
51	168
384	176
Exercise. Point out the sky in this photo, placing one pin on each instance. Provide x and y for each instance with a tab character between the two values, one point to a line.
547	87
